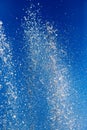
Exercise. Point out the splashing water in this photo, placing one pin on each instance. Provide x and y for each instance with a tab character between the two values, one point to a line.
48	77
8	90
43	99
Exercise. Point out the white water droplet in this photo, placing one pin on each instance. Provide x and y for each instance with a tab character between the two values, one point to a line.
14	116
1	23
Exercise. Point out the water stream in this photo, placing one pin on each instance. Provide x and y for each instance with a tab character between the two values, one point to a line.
44	101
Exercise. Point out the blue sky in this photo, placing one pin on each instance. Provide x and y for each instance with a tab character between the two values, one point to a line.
70	18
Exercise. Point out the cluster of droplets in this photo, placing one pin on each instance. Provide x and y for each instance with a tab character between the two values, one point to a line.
44	91
8	105
49	76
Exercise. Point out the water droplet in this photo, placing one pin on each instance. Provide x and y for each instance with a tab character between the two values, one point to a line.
1	23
